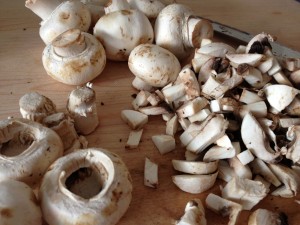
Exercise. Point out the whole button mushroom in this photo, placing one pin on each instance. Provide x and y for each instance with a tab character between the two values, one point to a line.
121	30
74	57
177	30
59	16
154	65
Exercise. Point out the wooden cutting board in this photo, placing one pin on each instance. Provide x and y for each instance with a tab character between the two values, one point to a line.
21	71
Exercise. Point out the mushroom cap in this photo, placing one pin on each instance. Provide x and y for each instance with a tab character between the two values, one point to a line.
121	31
154	64
18	204
150	8
27	150
68	15
100	196
78	69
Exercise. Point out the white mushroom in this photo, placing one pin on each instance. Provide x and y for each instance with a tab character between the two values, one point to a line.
266	217
121	29
195	184
82	109
134	119
293	151
280	96
216	49
151	8
250	59
164	143
256	140
196	167
194	214
245	157
289	178
246	192
179	31
154	65
74	57
240	170
134	139
91	186
150	174
36	107
226	172
59	16
27	150
224	207
192	107
18	204
258	43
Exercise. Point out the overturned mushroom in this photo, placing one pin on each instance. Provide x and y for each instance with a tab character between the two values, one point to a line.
91	186
59	16
18	204
26	150
179	31
121	29
82	109
74	58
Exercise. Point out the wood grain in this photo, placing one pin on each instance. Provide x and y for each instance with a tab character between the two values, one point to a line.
21	71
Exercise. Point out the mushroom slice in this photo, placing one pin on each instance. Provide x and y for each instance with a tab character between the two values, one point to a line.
259	42
257	109
199	60
244	191
160	109
217	152
86	182
293	151
164	143
194	214
192	107
134	119
150	8
266	64
214	128
134	139
189	79
216	49
266	217
36	107
224	105
224	207
141	99
184	123
18	204
200	116
226	172
245	157
250	59
288	177
174	92
196	167
150	174
154	99
288	122
82	109
256	140
172	126
195	184
249	97
141	85
27	149
281	78
260	167
240	170
280	96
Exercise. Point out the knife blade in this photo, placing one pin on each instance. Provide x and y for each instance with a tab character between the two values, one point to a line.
279	50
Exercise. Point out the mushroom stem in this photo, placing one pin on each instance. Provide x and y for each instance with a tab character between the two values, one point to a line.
70	43
43	8
197	29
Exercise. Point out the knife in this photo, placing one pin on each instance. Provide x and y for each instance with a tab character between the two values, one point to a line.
243	37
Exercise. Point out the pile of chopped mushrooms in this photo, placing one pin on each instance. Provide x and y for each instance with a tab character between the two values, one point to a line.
235	111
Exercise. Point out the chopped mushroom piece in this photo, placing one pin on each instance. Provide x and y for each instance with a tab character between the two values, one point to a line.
266	217
240	170
249	97
226	172
195	184
192	107
134	119
150	174
194	214
155	110
172	126
141	99
245	157
244	191
216	49
174	92
250	59
200	116
293	151
164	143
134	139
224	207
